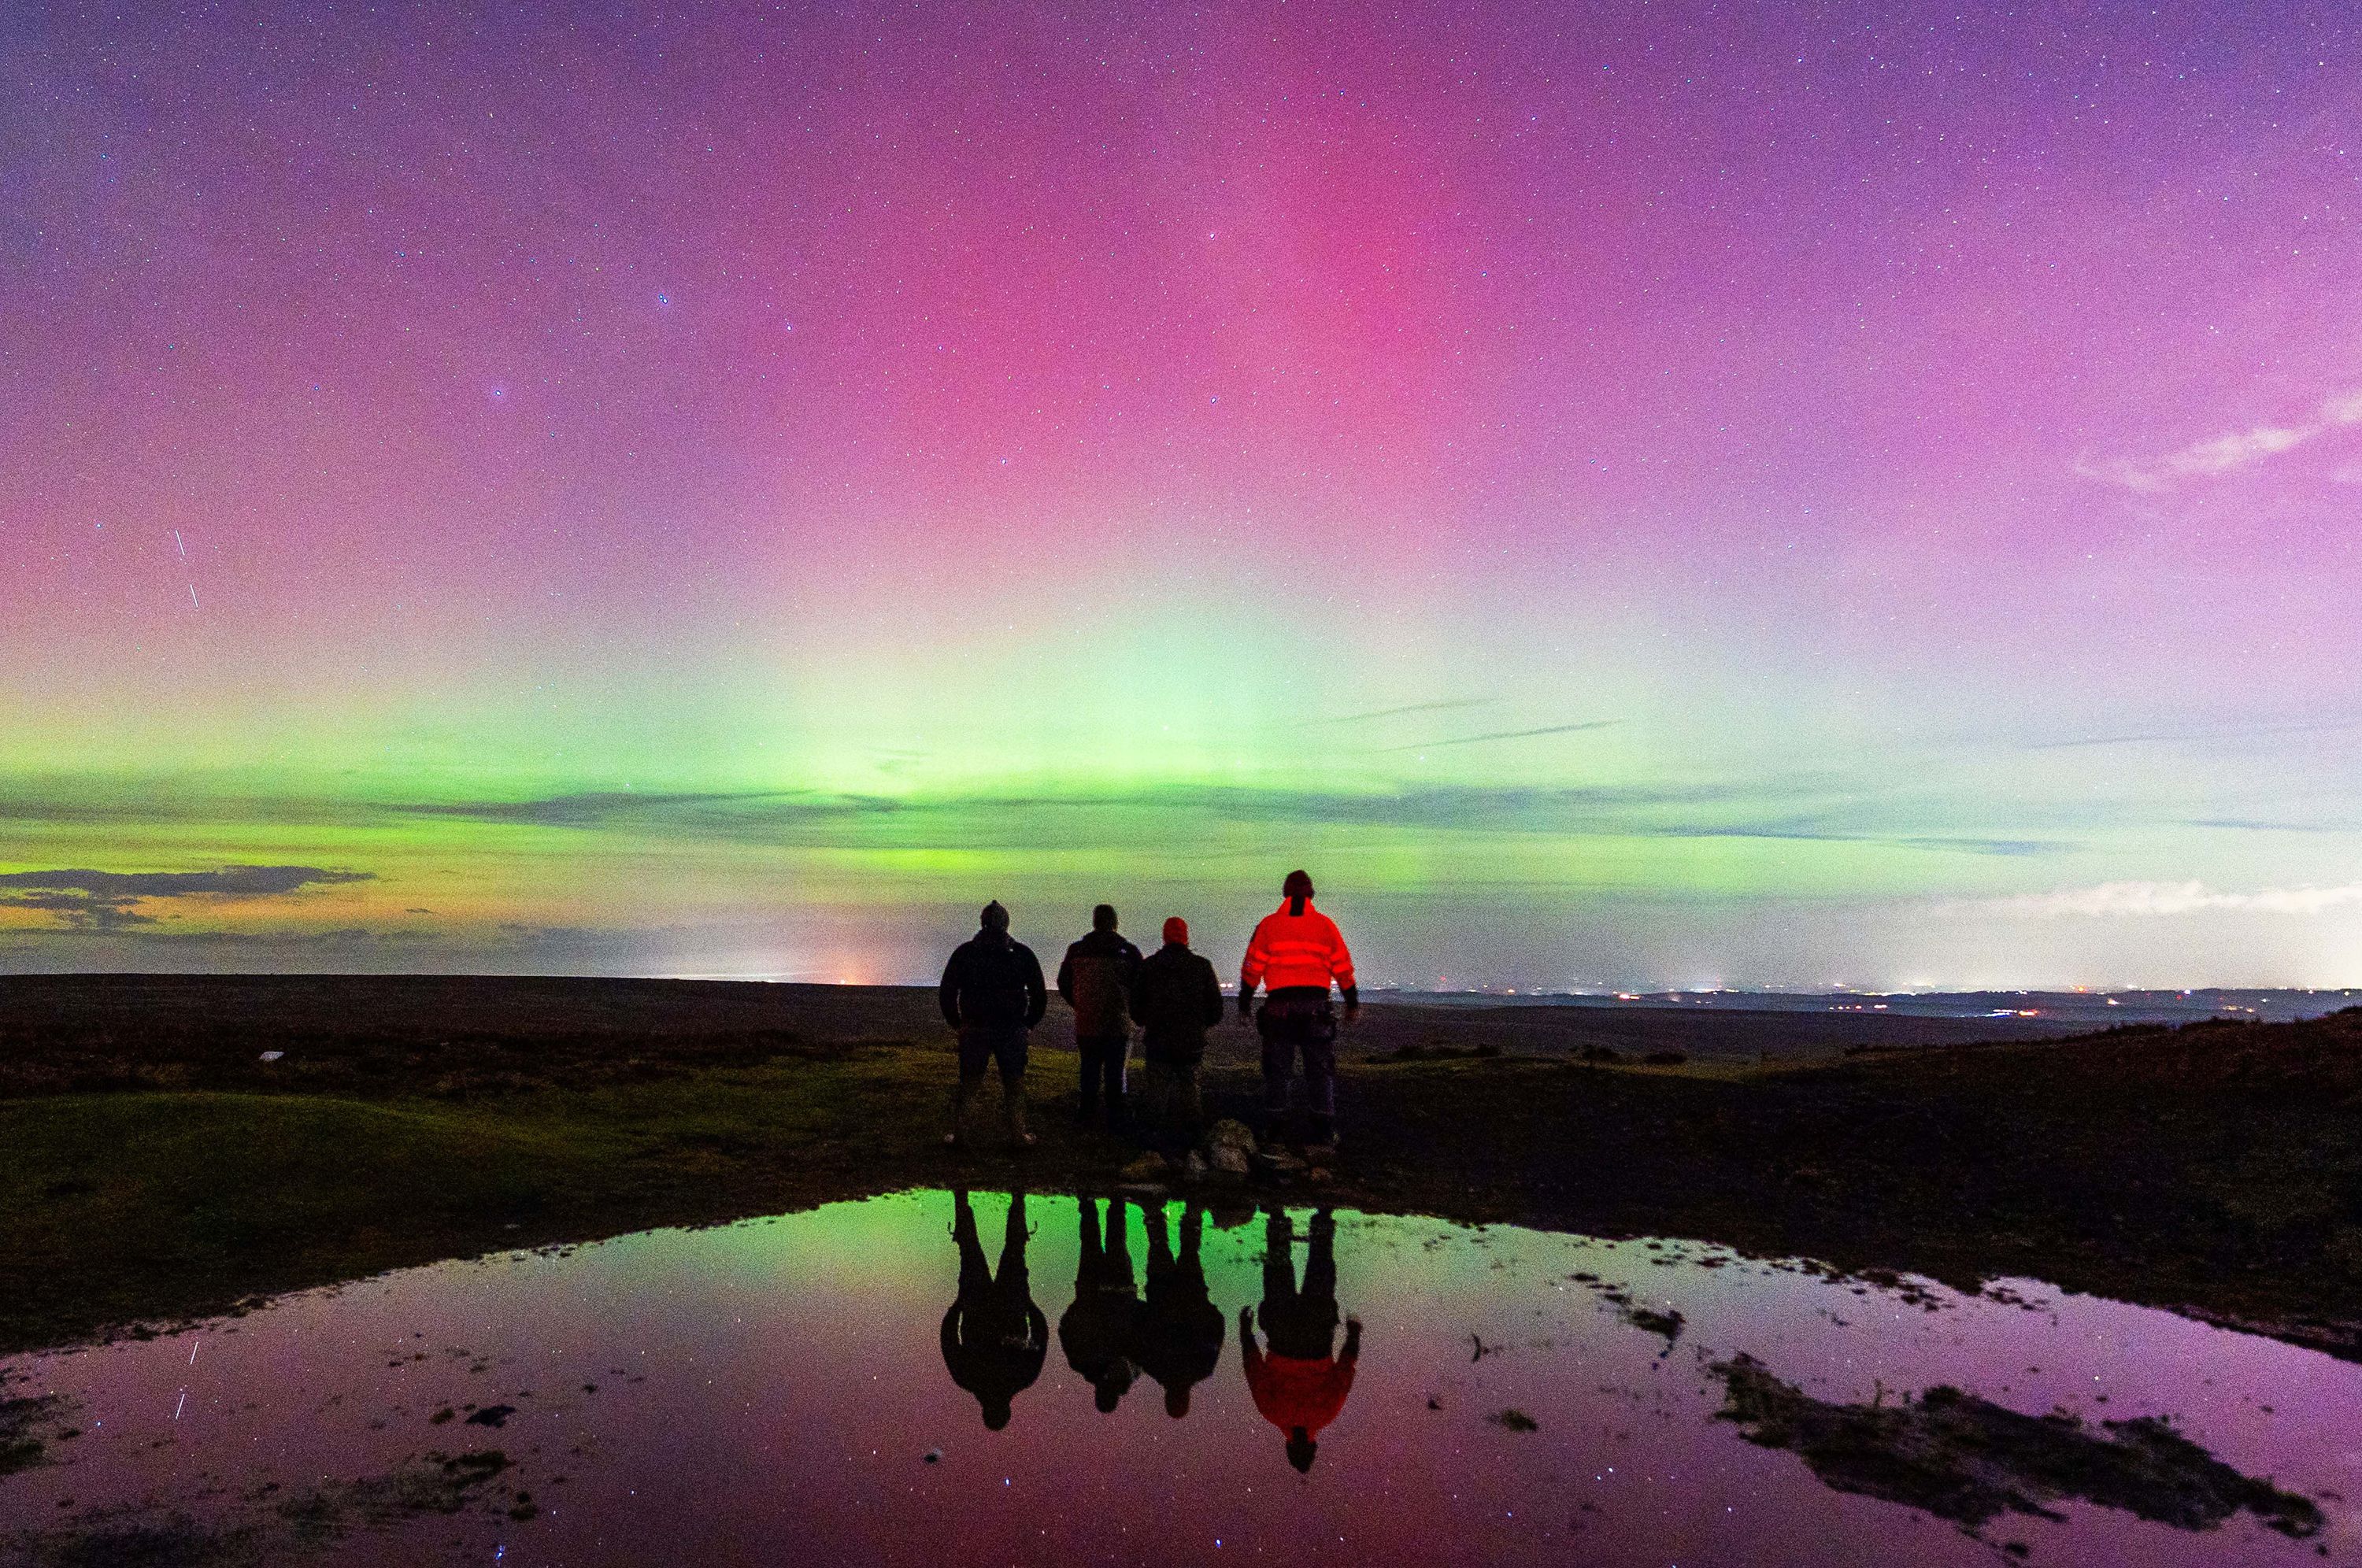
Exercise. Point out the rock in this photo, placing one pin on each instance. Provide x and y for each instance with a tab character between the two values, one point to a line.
1195	1168
1229	1133
1149	1166
1228	1161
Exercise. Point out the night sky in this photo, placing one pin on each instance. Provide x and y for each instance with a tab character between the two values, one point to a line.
1627	494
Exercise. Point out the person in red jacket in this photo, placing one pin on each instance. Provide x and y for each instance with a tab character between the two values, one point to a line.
1298	951
1301	1383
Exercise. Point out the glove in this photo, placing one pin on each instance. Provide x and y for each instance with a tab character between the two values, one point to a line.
1246	1006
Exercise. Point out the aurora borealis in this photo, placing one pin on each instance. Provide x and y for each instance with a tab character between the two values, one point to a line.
1629	495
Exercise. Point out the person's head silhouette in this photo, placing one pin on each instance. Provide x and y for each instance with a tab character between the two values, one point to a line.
1176	1401
994	918
996	1414
1297	890
1109	1394
1103	918
1300	1450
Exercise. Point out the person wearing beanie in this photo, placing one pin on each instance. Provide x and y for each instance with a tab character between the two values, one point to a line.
992	995
1301	1383
1096	979
1175	999
1298	952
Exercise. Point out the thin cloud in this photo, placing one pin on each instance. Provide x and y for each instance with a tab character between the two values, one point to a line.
2150	899
1504	735
1443	705
85	899
2198	733
2228	453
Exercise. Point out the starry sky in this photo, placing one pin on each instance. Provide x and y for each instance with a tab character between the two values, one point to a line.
1628	494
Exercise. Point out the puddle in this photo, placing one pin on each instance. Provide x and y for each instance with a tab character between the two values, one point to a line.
914	1380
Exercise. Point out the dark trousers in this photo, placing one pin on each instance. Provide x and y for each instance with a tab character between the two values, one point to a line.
1103	1057
1299	1323
1296	1027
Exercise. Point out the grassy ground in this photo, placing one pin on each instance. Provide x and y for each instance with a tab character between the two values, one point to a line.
157	1169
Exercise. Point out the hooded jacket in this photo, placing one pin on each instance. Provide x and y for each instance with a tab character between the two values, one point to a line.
1094	978
1291	950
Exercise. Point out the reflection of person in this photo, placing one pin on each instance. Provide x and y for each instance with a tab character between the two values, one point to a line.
1175	999
992	994
993	1337
1299	951
1300	1385
1096	1332
1180	1328
1094	979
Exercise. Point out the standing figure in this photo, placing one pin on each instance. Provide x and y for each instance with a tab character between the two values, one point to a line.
1300	1385
992	994
995	1339
1095	980
1097	1331
1175	999
1299	951
1180	1327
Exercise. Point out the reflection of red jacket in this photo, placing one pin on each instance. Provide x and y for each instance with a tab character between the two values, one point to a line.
1292	1392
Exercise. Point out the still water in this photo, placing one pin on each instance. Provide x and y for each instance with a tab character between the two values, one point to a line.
935	1379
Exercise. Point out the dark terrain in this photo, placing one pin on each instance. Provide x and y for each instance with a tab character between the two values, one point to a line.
157	1167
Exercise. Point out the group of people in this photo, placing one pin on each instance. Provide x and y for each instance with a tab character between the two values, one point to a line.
993	996
995	1339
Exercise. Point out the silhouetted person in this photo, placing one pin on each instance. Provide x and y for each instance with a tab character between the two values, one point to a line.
992	994
1180	1335
1299	951
1175	999
1097	1331
993	1337
1095	980
1301	1385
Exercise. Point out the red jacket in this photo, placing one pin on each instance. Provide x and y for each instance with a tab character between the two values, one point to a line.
1292	1392
1296	950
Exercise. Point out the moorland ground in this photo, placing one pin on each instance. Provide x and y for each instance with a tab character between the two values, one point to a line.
156	1167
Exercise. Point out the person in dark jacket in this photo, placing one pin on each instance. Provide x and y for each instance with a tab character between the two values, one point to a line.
992	994
1097	1331
1300	1385
995	1338
1180	1327
1095	980
1175	999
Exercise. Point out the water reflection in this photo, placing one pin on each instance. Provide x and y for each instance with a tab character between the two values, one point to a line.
1300	1382
762	1393
993	1337
1180	1338
1098	1330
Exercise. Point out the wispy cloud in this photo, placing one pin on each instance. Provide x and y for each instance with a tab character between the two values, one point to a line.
2113	899
2228	453
1441	705
2172	734
109	900
1503	734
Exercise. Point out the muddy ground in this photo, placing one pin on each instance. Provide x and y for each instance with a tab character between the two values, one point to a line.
157	1167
